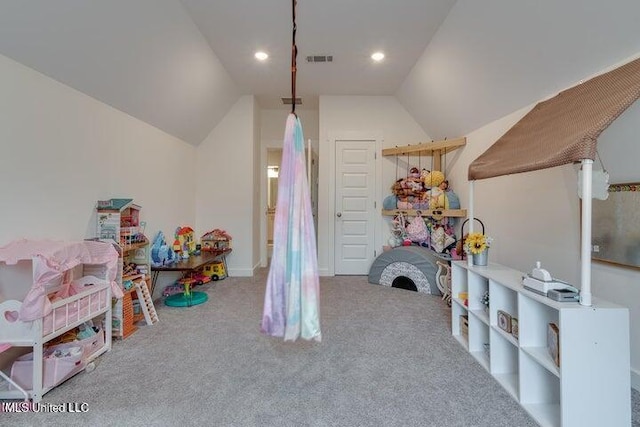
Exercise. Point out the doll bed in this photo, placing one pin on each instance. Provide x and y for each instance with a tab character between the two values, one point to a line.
88	297
55	303
65	315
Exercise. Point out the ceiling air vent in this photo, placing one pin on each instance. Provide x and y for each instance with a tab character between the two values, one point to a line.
320	58
289	101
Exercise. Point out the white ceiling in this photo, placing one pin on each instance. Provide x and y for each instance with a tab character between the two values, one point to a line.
180	65
349	30
455	65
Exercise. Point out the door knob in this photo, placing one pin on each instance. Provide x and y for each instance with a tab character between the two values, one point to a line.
339	214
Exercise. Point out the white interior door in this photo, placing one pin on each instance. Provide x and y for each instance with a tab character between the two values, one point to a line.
355	206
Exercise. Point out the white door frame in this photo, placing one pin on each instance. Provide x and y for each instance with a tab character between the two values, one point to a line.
352	136
266	145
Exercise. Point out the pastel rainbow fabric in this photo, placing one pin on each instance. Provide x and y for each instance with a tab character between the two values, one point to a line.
292	297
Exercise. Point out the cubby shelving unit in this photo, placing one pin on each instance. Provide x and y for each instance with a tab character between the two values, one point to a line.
591	384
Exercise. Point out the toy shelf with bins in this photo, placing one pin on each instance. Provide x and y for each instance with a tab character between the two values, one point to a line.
120	220
138	254
591	384
124	316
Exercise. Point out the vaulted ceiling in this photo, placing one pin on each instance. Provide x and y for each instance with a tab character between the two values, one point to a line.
180	65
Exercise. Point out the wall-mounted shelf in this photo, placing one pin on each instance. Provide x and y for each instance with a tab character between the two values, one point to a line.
457	213
434	148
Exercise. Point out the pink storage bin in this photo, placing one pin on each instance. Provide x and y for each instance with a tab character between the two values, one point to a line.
91	345
55	369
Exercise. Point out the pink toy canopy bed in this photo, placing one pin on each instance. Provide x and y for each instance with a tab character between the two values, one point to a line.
56	301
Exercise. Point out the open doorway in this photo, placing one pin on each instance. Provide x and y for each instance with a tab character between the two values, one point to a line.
274	156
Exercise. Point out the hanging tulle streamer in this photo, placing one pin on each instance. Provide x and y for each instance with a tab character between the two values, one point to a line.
291	303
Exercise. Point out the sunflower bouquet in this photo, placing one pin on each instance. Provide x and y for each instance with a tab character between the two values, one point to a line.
476	243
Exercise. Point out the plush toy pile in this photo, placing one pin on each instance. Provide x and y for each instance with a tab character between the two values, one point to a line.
436	234
422	190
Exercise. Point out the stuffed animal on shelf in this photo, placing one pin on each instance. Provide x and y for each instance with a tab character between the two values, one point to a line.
398	231
409	191
437	196
412	185
432	179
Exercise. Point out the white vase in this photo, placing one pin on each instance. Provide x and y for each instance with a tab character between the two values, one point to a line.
482	258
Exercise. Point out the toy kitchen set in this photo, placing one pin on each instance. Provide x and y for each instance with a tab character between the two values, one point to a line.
541	282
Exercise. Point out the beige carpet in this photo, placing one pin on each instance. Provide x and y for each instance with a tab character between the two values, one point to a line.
387	359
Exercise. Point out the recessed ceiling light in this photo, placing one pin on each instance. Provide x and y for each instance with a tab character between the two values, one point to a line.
261	56
378	56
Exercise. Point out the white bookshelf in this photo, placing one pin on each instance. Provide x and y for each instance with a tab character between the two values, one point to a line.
590	387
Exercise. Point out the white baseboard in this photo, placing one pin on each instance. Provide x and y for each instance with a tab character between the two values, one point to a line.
246	272
256	268
241	272
324	272
635	379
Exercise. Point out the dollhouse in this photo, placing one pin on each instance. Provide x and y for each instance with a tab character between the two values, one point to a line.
185	242
119	220
215	240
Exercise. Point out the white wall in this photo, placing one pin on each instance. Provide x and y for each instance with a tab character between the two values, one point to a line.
535	216
61	151
619	149
258	212
224	176
371	115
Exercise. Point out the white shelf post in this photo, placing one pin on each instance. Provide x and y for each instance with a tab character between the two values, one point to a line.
585	244
471	216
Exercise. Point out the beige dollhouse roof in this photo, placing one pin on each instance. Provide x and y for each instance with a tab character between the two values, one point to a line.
216	235
563	129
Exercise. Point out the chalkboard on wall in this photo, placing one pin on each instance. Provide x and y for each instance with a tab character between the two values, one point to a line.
615	226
